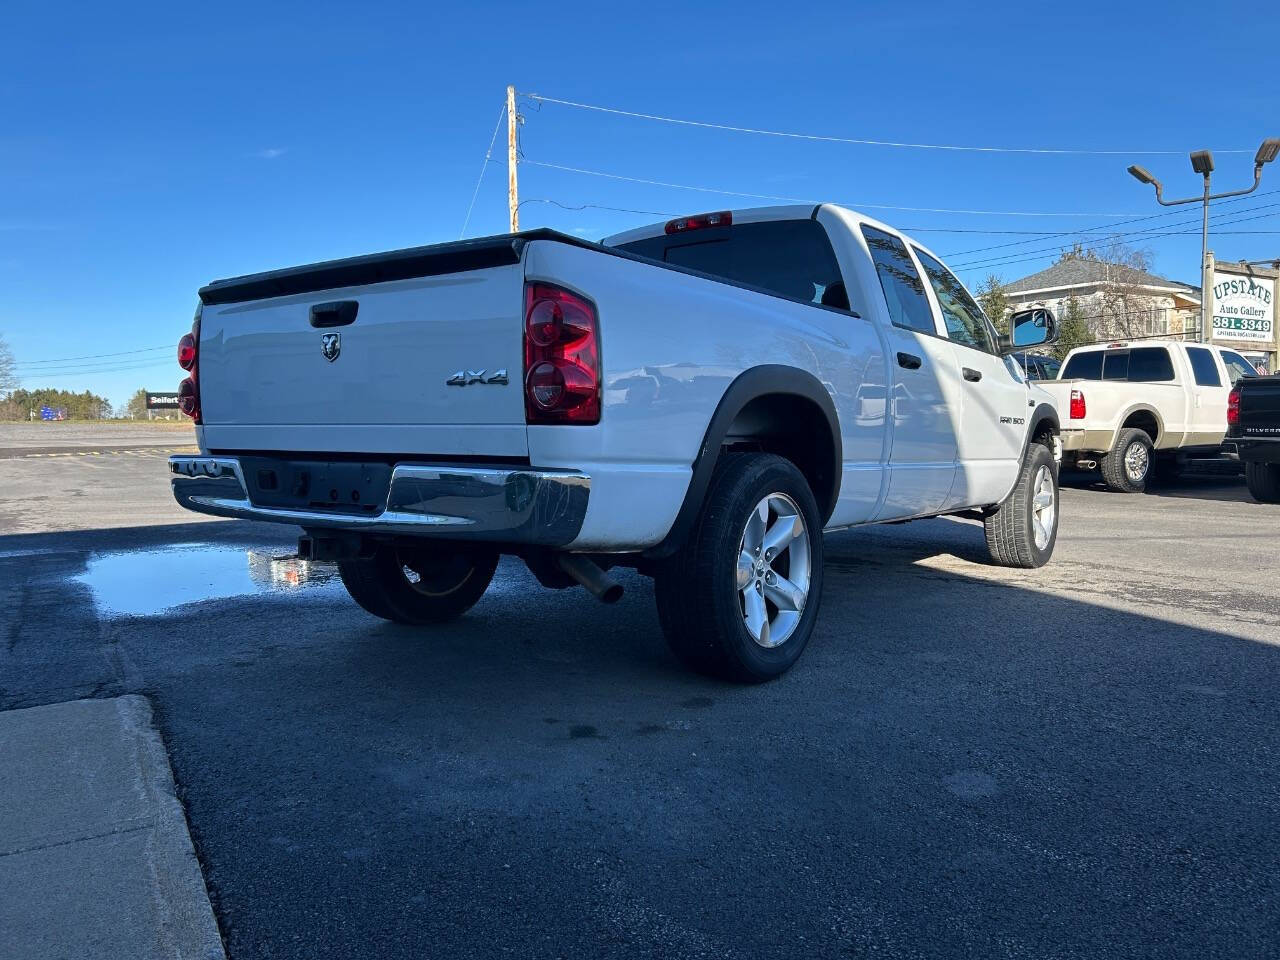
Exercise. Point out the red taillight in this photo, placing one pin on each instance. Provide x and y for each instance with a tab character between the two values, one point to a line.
1077	405
722	219
1233	406
561	356
187	351
189	359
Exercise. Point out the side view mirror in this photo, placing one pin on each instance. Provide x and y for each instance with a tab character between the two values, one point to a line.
1029	328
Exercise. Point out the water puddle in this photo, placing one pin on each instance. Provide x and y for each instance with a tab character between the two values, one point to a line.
142	583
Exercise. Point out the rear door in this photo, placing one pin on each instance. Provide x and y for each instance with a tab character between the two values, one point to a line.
1207	388
993	417
926	394
428	365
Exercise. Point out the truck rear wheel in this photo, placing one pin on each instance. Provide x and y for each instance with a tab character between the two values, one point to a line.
1264	481
1022	531
740	599
419	584
1127	466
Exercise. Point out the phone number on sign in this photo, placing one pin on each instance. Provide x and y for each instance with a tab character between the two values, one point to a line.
1241	323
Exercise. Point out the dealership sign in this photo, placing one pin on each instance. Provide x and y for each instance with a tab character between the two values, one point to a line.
161	401
1244	308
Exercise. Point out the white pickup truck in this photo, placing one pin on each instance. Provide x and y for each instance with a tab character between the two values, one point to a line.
1130	405
699	400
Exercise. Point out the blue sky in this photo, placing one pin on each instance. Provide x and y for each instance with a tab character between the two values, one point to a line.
149	148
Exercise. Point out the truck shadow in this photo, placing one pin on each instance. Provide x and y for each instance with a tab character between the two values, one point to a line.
1185	486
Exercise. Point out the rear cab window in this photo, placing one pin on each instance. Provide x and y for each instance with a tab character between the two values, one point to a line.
900	280
1084	366
790	258
1150	365
1132	365
1115	365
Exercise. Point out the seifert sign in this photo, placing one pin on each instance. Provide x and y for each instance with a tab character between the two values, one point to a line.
1244	308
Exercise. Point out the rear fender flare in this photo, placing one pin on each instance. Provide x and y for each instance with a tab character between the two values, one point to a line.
751	384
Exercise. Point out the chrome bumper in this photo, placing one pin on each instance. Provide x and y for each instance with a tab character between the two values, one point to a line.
543	507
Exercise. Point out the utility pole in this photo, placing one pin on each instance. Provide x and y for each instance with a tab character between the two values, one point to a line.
1202	163
513	192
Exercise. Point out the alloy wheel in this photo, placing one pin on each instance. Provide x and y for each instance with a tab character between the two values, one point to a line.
773	570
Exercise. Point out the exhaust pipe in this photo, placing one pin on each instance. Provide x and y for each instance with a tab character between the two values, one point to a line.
1086	464
601	586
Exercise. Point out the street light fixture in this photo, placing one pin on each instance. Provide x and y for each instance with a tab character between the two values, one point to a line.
1202	163
1141	175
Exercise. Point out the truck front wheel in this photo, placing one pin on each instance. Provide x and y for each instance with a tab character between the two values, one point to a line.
740	599
1263	480
1128	464
1022	531
419	584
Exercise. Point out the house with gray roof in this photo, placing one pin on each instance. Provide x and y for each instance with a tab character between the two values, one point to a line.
1118	301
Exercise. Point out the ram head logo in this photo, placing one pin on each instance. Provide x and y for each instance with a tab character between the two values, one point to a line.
331	346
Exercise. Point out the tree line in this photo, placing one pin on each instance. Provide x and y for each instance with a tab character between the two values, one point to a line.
21	404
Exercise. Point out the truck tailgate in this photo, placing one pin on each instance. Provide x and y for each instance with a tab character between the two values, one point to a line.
274	375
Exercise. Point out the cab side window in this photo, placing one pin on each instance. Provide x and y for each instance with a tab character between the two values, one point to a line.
1203	367
1237	366
900	281
964	319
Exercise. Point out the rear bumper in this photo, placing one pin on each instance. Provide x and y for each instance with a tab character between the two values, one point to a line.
512	506
1251	450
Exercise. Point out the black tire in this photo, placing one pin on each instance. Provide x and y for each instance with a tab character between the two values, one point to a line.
419	584
1119	473
1263	480
1011	529
700	606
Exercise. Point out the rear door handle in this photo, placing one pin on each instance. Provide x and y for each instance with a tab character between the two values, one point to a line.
909	361
336	314
973	376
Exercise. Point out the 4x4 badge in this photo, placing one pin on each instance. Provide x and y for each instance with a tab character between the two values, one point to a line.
331	346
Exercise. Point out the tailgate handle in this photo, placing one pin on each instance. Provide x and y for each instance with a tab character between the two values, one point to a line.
336	314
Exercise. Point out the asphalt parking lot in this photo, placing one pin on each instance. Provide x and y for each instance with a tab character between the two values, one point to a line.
1079	761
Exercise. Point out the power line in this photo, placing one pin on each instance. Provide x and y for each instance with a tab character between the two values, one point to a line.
39	375
597	206
93	356
781	199
483	169
857	140
1022	256
1104	226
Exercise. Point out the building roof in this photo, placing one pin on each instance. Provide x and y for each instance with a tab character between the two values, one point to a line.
1079	271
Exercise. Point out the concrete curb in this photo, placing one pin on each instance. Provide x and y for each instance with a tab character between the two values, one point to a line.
95	856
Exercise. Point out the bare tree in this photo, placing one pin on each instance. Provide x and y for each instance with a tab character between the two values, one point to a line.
8	370
1124	305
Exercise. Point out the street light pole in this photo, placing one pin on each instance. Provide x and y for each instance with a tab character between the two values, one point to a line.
1202	163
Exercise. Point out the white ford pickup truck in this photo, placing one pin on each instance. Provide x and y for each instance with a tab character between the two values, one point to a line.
699	400
1132	406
